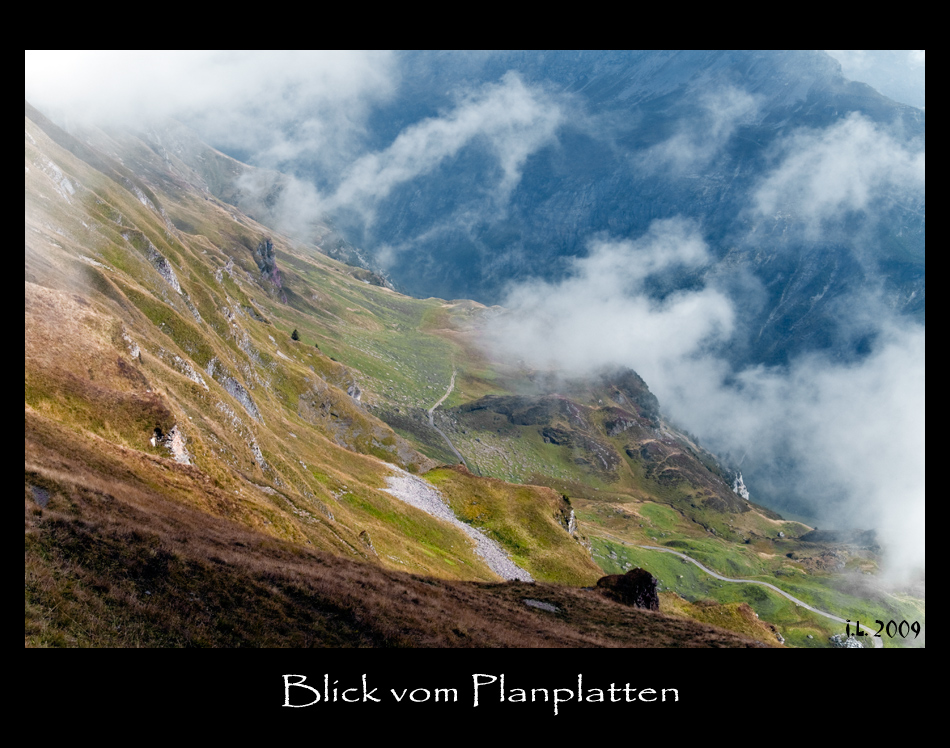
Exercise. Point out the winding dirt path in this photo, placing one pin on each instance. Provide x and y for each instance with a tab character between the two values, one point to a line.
447	393
432	420
877	641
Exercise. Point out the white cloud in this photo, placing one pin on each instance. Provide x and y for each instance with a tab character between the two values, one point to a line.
291	107
599	314
853	61
278	105
897	73
699	140
854	433
846	167
510	118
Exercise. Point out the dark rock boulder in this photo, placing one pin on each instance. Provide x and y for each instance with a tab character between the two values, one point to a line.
637	588
557	436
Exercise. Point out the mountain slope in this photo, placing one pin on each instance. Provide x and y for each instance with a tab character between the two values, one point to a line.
117	560
180	442
160	404
149	336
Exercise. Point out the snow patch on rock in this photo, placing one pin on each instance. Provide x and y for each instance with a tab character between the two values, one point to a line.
738	487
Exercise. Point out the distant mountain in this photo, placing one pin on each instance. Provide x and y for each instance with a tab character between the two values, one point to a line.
896	73
646	135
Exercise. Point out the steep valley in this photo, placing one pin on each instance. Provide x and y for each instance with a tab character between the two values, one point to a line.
214	412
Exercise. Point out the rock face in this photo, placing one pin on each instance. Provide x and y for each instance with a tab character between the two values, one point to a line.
637	588
364	537
174	442
267	261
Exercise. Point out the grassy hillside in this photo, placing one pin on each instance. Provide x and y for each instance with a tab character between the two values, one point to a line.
126	549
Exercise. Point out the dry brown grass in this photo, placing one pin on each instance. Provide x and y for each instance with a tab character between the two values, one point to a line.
112	561
738	617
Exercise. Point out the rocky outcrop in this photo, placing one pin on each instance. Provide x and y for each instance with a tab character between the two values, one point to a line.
627	387
559	437
541	604
234	388
366	541
565	516
651	451
738	487
618	426
636	588
163	266
267	261
174	442
523	411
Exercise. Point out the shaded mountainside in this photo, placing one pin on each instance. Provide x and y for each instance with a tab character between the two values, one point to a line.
647	135
196	476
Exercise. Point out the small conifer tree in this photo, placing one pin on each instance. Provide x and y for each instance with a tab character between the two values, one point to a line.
295	335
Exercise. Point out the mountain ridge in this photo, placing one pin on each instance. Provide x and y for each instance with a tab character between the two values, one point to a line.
653	135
